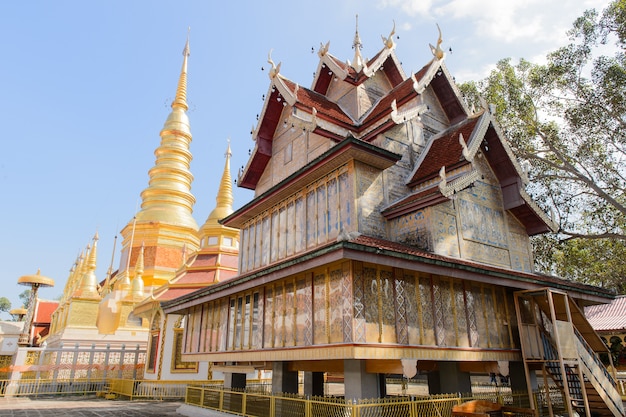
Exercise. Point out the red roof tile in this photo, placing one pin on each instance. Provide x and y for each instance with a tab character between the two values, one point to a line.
414	201
608	317
173	293
402	93
445	150
45	310
310	99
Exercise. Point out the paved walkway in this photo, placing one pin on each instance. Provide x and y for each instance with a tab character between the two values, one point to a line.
91	406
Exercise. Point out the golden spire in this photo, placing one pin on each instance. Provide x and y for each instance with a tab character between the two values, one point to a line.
79	271
181	91
223	208
88	285
137	286
224	198
168	196
107	282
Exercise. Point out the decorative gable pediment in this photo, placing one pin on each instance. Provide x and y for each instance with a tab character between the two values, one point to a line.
449	165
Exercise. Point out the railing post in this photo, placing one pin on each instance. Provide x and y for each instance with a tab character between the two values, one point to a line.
272	405
59	351
136	362
74	362
42	355
120	372
106	361
90	367
243	404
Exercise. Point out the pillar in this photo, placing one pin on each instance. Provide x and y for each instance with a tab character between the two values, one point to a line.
448	379
234	380
358	383
517	377
284	380
314	384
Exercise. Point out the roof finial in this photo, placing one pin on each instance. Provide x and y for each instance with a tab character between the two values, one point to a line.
357	39
436	50
389	41
228	152
357	61
275	68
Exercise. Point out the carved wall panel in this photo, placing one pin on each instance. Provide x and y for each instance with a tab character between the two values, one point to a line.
370	192
445	234
371	282
289	314
386	302
413	229
302	221
319	309
335	306
268	324
355	302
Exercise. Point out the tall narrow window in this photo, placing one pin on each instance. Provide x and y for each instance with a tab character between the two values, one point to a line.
153	354
178	365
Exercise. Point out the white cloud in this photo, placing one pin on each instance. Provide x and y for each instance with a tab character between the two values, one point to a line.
410	7
506	21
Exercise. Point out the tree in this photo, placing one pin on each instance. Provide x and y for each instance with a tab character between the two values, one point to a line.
5	305
24	296
567	119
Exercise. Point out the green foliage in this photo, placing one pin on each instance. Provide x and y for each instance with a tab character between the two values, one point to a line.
5	305
24	297
567	119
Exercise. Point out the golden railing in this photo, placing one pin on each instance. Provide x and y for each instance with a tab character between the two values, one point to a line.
134	389
265	405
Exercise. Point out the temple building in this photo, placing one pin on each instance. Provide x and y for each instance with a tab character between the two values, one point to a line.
609	321
389	233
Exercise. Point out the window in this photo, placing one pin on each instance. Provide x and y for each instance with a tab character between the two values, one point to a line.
178	365
153	343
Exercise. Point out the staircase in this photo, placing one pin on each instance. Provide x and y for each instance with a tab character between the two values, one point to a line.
559	344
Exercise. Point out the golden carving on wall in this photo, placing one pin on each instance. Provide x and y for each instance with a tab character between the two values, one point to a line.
178	365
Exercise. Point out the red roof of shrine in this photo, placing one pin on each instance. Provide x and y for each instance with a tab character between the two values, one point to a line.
608	317
444	151
200	273
44	311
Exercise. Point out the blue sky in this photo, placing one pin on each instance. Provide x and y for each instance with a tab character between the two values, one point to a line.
86	88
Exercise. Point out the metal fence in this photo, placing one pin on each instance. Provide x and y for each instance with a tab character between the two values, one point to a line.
265	405
46	387
77	362
134	389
